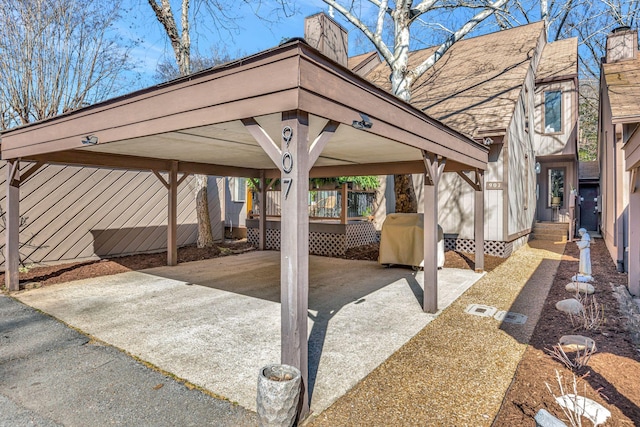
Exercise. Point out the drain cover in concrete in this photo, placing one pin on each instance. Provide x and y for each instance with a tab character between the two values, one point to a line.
481	310
510	317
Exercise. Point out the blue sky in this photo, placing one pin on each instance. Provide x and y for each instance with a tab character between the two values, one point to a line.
251	36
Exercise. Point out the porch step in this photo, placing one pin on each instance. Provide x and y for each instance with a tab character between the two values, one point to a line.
555	231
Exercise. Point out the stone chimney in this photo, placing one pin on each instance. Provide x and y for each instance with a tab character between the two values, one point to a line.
622	44
326	35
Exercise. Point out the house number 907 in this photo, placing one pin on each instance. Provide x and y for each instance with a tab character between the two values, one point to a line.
287	160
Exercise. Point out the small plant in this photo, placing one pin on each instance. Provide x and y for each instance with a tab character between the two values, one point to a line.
575	360
592	317
574	406
574	413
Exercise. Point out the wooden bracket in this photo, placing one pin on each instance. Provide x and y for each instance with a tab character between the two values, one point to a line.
256	183
183	177
321	141
264	140
161	178
33	169
434	166
166	183
14	173
477	183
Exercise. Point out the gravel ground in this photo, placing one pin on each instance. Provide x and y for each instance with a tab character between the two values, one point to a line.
456	371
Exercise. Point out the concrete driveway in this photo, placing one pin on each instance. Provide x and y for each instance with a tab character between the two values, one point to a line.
216	322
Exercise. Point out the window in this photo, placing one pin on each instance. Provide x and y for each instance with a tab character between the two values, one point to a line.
556	187
553	111
238	189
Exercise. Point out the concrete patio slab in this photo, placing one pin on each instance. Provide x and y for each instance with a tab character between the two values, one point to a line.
216	322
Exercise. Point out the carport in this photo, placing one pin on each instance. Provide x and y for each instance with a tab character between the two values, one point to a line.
288	113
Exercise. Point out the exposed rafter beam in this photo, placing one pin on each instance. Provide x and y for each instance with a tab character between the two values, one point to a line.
121	161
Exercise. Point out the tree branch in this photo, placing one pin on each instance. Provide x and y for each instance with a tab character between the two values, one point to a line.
463	31
376	39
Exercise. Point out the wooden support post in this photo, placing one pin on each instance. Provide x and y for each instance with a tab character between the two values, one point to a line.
12	221
294	157
344	201
172	222
634	234
434	167
430	266
479	221
262	219
294	263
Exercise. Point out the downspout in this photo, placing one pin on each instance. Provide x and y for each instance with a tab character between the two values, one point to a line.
620	217
576	178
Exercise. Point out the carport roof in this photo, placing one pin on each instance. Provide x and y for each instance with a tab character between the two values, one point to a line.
197	120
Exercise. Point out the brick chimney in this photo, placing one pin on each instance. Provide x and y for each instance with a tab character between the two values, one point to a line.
622	43
326	35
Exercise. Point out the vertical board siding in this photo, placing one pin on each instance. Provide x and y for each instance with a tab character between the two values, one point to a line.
521	169
494	199
72	213
456	203
494	216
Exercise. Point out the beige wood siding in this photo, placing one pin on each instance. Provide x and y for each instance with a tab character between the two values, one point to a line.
555	143
82	213
521	176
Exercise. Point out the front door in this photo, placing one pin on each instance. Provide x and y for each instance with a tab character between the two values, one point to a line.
589	207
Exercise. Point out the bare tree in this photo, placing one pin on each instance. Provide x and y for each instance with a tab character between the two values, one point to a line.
590	21
180	39
391	33
57	55
168	69
223	16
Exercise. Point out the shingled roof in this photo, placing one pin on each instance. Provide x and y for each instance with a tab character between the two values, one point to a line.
589	170
559	60
623	84
474	87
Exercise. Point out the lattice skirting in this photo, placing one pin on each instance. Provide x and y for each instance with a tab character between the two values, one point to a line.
320	243
336	244
491	247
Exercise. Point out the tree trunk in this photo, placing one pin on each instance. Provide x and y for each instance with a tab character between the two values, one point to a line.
205	237
406	201
181	43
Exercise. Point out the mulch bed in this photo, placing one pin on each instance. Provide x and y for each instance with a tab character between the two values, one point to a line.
60	273
611	376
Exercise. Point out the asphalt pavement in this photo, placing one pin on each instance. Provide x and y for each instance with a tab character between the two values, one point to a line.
52	375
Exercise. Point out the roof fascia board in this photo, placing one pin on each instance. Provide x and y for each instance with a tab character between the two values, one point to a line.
563	77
